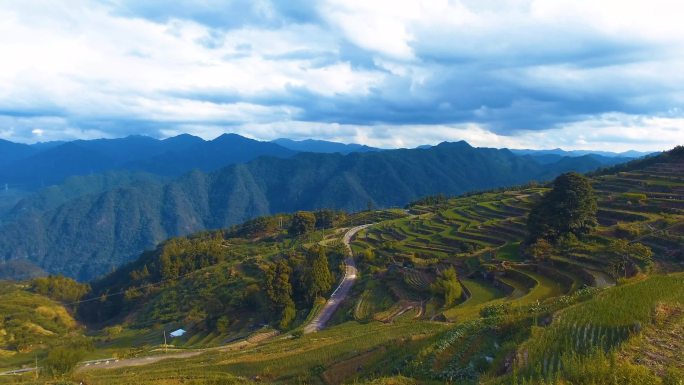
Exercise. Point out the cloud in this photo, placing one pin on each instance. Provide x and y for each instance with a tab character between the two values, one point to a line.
533	73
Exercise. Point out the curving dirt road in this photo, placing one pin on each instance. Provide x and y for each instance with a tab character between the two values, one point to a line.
342	289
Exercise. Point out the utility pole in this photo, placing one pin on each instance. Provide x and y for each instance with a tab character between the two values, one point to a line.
35	356
165	348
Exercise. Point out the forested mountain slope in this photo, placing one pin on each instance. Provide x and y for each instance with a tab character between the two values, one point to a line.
31	167
91	235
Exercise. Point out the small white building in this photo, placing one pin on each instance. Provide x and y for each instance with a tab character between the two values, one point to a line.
177	333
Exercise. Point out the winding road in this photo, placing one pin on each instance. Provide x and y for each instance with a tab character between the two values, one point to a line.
315	325
342	289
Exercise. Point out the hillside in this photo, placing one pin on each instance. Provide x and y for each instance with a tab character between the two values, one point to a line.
31	321
92	234
447	291
584	310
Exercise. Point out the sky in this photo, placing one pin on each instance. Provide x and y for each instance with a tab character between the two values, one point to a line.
573	74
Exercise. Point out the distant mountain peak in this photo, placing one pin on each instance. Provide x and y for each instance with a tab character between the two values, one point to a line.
457	144
323	146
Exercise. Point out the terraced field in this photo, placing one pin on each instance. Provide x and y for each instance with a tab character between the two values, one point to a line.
481	235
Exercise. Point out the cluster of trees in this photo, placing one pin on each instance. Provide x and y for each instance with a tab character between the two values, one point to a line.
180	256
296	224
59	288
303	222
430	200
154	279
174	258
447	286
296	280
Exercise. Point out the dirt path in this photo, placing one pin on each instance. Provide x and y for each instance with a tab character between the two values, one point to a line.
342	289
112	363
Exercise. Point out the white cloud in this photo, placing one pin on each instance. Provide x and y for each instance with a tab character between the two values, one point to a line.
521	73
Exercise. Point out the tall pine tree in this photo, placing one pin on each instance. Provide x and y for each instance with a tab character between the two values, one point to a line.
279	291
319	279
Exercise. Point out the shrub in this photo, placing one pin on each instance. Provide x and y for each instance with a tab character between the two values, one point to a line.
62	360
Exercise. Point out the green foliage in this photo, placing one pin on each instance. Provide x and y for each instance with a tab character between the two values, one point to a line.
634	197
594	368
628	231
569	208
318	278
327	219
673	376
601	323
29	320
180	256
59	288
540	250
258	227
62	360
302	222
447	286
113	331
89	235
629	254
223	324
495	310
279	291
430	200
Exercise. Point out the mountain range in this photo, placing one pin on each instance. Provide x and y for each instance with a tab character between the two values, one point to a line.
35	166
92	224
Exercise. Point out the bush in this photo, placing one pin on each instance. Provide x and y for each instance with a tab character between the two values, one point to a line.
297	333
113	331
62	360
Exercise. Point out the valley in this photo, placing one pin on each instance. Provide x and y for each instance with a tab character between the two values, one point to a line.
451	289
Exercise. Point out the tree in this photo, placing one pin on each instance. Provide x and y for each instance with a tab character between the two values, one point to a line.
60	288
319	279
569	208
447	286
325	219
279	291
302	223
